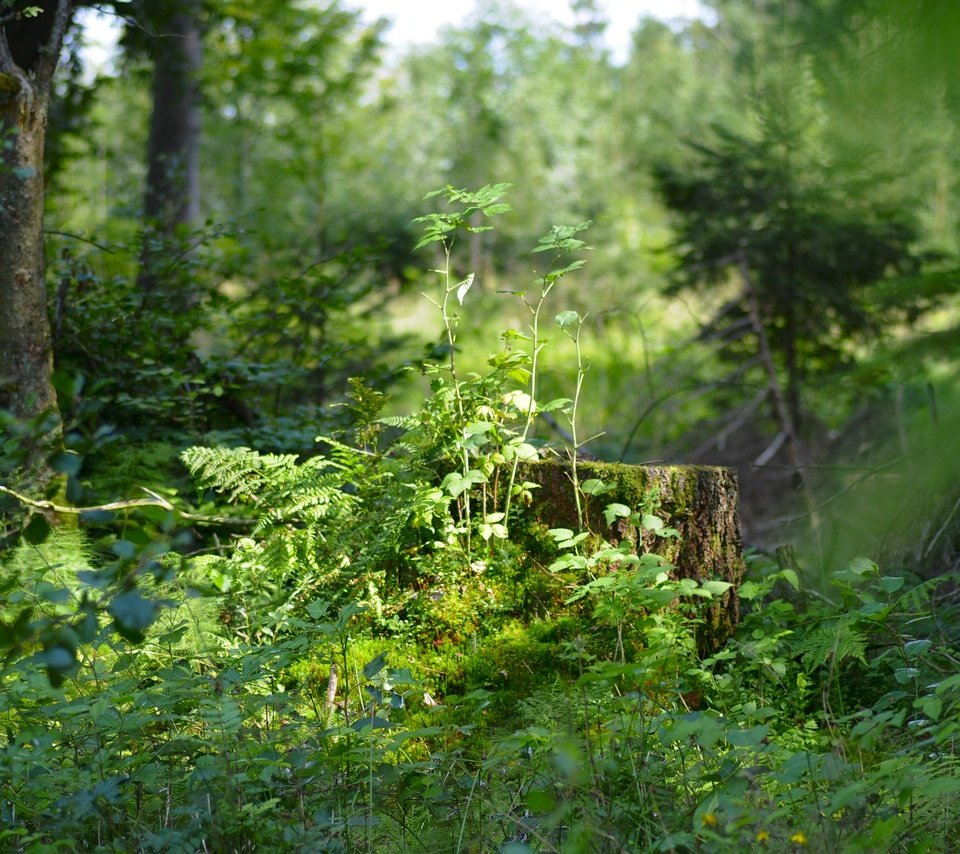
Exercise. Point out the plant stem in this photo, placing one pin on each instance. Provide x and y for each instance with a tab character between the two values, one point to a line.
450	324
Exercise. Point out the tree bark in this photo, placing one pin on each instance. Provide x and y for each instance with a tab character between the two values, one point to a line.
26	358
699	501
172	193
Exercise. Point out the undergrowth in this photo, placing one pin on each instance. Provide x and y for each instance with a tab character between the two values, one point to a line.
372	647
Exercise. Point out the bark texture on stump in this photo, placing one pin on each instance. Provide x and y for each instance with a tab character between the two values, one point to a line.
699	501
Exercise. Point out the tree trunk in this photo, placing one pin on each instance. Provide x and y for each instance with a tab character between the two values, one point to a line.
699	501
172	193
26	358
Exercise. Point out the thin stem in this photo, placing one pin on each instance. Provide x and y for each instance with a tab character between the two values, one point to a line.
532	408
450	324
581	372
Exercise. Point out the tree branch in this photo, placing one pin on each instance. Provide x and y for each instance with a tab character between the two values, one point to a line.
50	53
81	238
153	501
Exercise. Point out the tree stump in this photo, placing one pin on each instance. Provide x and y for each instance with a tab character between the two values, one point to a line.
699	501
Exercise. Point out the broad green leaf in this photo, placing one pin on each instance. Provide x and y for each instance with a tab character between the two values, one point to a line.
374	722
891	583
790	577
124	549
615	511
863	566
567	318
57	658
932	707
68	463
594	486
132	614
374	666
558	403
748	737
37	530
903	675
651	522
716	588
914	649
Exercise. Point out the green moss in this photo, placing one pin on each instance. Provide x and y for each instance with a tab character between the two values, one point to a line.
9	85
681	496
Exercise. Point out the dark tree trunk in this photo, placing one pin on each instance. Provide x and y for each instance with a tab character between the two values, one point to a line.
172	193
699	501
26	359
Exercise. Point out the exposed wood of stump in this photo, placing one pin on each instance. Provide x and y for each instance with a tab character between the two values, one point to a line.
699	501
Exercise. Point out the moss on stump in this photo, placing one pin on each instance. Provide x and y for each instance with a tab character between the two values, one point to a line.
699	501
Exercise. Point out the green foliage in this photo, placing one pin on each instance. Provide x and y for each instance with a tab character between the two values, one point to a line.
361	642
763	212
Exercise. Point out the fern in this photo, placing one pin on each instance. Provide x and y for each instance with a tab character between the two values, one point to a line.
236	471
400	422
834	642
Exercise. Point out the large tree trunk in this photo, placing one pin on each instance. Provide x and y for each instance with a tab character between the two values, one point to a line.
699	501
26	359
172	193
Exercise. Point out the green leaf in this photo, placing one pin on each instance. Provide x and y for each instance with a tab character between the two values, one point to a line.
716	588
124	549
373	722
891	583
37	530
567	318
374	666
559	403
523	451
651	522
477	428
790	576
57	658
593	486
863	566
132	614
52	593
748	737
932	707
68	463
615	511
903	675
914	649
455	483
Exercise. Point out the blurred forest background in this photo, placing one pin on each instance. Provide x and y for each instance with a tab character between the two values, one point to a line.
771	282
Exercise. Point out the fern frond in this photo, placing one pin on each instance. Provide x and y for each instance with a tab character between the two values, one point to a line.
237	471
402	422
833	641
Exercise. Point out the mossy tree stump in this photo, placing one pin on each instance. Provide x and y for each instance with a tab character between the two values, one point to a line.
699	501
